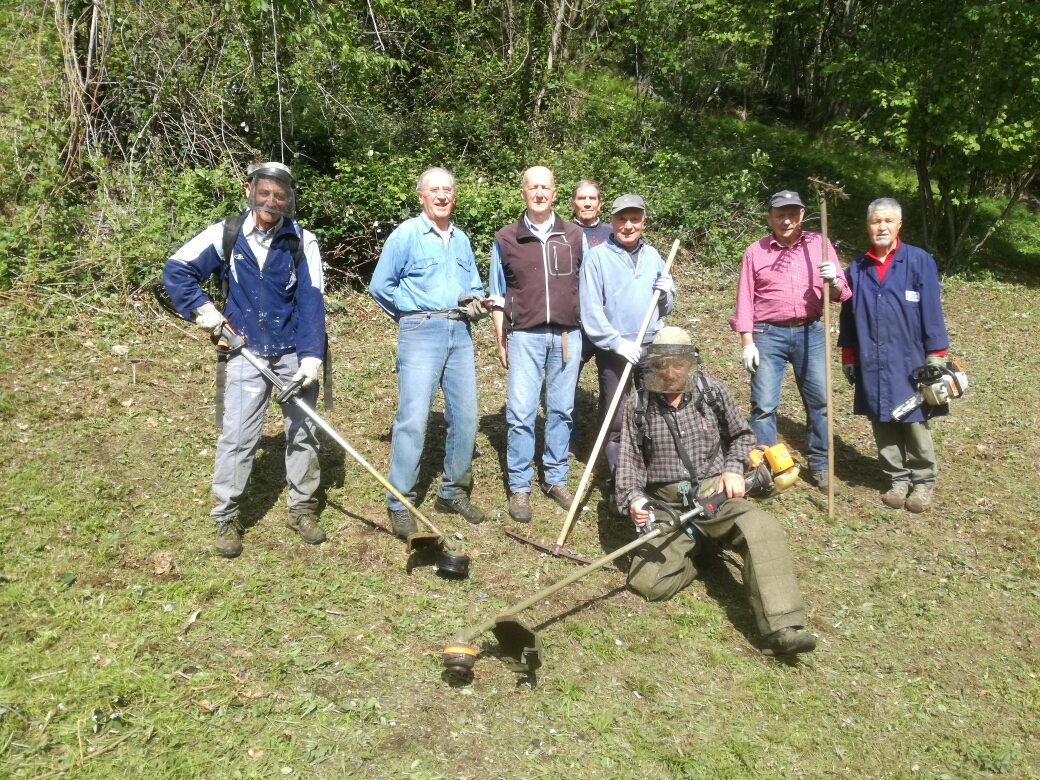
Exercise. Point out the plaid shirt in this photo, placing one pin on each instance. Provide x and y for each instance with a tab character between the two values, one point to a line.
641	463
779	283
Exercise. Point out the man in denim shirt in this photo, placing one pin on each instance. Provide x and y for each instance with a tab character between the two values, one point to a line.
427	281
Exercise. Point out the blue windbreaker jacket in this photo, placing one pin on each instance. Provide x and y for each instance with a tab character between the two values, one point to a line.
278	309
892	325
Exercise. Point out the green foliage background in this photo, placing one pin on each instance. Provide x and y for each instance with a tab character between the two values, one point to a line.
127	126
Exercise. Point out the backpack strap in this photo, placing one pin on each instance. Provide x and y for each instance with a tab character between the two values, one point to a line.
706	393
326	375
642	400
232	227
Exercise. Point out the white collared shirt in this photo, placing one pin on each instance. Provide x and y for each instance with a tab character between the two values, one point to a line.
259	240
542	231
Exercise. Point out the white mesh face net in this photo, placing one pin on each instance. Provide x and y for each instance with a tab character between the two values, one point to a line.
669	368
271	191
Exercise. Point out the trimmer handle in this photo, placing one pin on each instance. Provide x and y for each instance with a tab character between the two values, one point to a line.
229	342
710	506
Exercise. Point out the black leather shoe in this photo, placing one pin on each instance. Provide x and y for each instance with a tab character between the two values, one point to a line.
459	506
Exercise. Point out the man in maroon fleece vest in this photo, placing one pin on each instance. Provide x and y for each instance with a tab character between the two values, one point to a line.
534	286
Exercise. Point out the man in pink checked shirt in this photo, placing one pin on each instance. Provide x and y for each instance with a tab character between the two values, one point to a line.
777	314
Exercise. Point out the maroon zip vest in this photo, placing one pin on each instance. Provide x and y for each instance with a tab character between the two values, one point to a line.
541	279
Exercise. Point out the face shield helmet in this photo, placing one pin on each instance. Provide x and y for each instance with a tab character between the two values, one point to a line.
271	189
670	363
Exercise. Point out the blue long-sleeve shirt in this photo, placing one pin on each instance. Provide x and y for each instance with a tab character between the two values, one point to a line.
417	271
615	293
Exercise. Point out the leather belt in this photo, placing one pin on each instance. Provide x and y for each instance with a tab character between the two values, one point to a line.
793	323
446	314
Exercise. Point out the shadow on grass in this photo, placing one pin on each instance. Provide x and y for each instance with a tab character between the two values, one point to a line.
722	587
850	465
493	426
267	478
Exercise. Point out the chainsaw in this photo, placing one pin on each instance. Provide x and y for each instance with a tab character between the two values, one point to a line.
936	385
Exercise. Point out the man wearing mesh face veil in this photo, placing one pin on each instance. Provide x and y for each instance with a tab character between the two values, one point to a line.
274	288
684	437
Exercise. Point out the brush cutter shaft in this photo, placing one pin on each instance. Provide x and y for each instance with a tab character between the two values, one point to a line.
317	420
570	579
618	394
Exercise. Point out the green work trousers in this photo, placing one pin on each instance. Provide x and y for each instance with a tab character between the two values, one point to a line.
665	565
905	452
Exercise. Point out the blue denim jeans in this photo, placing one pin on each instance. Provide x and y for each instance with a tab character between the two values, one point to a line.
246	396
533	354
803	348
433	352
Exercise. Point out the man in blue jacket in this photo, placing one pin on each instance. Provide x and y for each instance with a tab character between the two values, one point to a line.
892	324
275	301
427	281
618	279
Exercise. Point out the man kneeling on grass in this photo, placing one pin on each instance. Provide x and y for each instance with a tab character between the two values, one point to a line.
679	436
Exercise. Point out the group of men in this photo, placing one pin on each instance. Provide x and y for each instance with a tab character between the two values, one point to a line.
556	285
562	292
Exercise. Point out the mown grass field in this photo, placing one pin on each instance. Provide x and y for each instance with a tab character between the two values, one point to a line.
129	648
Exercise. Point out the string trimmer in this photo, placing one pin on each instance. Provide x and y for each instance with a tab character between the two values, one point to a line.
521	646
450	559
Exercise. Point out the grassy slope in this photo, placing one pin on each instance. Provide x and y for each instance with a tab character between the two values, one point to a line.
325	662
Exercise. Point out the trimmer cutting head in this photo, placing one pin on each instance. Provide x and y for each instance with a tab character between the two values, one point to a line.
452	564
449	562
459	658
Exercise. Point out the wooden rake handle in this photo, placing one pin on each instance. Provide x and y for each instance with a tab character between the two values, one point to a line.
618	394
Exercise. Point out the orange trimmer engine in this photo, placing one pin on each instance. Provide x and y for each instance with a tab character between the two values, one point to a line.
773	471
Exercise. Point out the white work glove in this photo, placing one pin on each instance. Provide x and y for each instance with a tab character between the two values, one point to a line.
629	350
829	272
208	318
663	283
308	371
749	357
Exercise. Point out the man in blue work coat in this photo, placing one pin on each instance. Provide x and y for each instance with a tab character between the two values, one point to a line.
892	324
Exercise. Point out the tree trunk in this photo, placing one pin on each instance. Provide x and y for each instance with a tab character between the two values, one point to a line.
554	45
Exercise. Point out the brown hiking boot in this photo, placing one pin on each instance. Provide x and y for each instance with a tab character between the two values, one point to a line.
560	494
789	641
229	537
520	507
896	495
920	499
306	525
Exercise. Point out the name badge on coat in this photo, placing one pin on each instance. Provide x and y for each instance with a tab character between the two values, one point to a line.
913	296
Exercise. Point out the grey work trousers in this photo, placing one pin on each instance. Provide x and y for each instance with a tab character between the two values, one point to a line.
666	565
906	453
245	403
